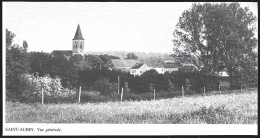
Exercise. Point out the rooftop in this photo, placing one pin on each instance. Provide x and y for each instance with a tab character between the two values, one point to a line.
137	65
62	52
124	62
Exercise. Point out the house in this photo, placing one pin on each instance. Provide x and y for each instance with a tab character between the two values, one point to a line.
138	69
121	64
170	66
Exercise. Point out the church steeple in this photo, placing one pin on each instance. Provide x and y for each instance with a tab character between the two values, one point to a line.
78	34
78	43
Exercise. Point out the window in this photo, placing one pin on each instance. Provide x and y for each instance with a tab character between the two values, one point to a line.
141	72
133	71
162	69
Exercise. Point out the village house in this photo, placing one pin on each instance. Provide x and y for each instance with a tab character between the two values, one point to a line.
138	69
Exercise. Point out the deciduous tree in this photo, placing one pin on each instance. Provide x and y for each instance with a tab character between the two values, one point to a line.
218	34
16	64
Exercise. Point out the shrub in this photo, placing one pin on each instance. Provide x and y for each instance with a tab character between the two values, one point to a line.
104	86
31	84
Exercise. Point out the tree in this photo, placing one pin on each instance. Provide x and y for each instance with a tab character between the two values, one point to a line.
105	58
16	64
131	56
218	34
104	86
58	66
39	62
9	38
95	61
25	45
75	59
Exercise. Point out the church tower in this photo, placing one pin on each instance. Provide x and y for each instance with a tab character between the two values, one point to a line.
78	43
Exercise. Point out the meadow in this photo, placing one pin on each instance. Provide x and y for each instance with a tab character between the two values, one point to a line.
228	108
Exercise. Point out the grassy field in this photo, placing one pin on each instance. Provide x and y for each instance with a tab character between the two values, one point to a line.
232	108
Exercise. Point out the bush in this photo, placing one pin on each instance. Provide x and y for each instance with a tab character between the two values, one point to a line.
104	86
31	84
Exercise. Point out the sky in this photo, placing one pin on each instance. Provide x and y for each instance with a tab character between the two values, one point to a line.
105	26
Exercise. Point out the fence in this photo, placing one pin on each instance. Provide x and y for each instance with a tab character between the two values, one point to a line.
157	94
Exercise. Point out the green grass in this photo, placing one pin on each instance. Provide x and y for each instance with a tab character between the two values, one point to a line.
233	108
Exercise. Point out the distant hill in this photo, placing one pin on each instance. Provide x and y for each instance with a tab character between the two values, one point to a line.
122	54
151	59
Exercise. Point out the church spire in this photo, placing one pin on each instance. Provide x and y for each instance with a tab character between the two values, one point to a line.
78	34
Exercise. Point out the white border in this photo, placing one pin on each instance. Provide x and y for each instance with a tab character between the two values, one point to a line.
133	129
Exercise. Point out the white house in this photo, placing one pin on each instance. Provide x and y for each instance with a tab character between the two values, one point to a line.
138	69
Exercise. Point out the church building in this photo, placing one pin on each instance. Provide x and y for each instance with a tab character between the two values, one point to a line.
88	61
77	46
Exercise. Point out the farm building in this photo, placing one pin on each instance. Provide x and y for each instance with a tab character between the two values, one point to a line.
170	66
121	64
138	69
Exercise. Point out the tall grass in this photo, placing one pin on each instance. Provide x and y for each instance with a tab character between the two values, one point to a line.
233	108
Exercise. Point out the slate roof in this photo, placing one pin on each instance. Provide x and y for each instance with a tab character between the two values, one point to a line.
122	63
137	65
78	34
63	52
